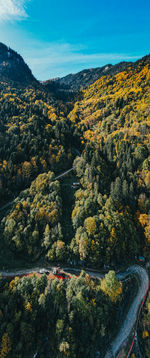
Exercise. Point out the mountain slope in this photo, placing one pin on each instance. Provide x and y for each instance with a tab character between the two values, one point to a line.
108	103
83	79
109	127
13	69
33	129
114	117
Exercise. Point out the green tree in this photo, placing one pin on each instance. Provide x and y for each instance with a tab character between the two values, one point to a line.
111	286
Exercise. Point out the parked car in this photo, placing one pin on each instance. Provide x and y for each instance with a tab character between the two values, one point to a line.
141	259
43	270
56	270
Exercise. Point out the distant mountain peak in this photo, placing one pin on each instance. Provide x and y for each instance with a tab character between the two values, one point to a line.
69	86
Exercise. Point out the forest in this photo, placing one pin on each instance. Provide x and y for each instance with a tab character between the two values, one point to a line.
35	136
96	216
57	318
108	219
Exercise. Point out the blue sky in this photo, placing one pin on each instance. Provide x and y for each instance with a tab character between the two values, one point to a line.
57	37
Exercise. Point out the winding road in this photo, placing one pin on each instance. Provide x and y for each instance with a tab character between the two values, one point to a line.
142	277
139	273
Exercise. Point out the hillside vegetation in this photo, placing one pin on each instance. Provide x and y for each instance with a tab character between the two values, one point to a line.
114	171
83	79
38	315
109	222
35	137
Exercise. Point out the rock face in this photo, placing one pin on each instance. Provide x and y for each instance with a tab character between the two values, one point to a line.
13	69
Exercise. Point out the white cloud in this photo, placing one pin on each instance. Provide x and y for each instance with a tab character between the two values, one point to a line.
12	10
53	59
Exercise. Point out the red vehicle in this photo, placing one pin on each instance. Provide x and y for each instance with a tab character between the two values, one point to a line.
56	270
59	274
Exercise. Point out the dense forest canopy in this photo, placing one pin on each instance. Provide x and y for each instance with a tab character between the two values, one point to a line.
35	137
57	318
97	215
109	128
114	117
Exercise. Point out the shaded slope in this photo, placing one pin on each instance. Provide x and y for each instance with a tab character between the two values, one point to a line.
114	117
13	68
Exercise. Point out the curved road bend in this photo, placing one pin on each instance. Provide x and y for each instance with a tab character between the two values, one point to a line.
143	282
126	328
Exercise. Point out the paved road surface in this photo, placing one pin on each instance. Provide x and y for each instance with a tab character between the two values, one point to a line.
143	282
63	174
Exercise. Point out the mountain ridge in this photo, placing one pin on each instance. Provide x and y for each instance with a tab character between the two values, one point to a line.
75	83
86	76
13	68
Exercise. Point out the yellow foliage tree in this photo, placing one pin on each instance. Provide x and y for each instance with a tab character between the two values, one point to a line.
90	225
5	345
64	348
145	334
28	307
26	169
